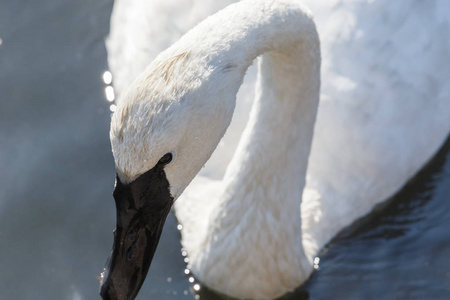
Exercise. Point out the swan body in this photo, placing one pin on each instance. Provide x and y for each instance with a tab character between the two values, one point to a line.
253	230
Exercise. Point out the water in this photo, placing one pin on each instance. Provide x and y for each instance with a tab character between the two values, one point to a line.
57	175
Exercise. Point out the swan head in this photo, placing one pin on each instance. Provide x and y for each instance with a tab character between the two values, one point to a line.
164	130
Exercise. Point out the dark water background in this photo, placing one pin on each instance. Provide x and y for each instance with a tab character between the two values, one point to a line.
57	174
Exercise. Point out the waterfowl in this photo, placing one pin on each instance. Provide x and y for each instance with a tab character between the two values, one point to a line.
289	188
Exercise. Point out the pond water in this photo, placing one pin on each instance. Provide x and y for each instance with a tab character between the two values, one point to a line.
56	208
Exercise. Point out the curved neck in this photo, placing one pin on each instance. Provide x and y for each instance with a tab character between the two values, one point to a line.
275	145
264	182
279	132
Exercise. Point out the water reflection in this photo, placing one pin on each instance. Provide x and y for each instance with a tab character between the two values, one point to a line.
397	252
397	216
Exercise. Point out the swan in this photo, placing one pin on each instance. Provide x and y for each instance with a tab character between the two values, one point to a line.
245	234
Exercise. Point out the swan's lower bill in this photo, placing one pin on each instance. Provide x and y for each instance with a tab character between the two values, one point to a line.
142	208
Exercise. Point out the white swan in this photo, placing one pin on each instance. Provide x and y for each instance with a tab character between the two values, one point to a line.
245	235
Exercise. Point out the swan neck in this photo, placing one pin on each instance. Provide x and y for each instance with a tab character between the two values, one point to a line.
273	152
263	184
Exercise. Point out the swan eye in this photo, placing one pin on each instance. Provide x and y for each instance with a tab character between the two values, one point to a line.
167	158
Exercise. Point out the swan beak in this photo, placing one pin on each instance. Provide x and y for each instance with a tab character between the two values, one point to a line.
142	208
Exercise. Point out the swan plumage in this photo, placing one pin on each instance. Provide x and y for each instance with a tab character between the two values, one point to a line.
383	113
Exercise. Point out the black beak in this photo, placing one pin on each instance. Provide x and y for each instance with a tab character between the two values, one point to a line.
142	208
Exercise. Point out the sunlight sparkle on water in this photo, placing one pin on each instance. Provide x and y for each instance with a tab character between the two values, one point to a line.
316	263
109	92
112	107
107	77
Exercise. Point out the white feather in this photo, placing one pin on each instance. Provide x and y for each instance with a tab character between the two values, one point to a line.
384	111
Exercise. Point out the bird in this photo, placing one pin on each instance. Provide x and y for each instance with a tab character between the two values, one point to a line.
303	169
